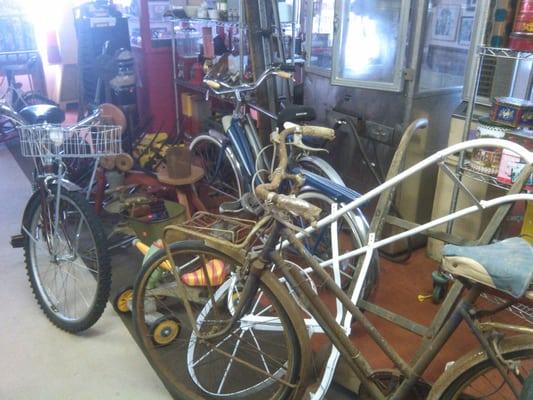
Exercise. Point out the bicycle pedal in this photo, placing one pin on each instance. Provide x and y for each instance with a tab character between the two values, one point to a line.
17	241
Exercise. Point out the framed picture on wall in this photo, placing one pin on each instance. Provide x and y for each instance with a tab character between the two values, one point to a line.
471	5
445	21
465	30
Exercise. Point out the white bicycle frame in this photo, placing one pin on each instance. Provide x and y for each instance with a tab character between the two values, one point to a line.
372	245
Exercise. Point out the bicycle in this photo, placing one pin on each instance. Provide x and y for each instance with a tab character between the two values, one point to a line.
233	161
229	328
65	247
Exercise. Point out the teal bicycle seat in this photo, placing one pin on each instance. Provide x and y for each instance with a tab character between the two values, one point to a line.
506	266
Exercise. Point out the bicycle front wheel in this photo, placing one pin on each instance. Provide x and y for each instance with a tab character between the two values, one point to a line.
258	358
350	237
68	268
476	376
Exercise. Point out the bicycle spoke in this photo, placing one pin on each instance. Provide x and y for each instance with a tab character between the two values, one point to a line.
261	355
230	363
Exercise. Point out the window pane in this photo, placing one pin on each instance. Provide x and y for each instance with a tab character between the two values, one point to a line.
369	47
445	53
322	33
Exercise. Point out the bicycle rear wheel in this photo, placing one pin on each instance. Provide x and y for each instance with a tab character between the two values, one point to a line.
222	181
476	377
69	269
259	358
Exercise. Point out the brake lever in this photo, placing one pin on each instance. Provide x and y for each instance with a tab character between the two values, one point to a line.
297	140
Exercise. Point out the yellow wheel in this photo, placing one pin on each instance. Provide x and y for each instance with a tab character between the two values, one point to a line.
123	300
165	330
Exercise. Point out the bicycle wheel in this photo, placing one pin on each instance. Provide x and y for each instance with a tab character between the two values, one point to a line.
476	377
222	180
259	358
350	237
69	269
31	99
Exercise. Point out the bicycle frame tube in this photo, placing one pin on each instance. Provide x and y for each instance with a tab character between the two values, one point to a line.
237	136
435	158
339	335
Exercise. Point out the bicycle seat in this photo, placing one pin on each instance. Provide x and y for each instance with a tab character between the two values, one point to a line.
506	266
296	114
42	113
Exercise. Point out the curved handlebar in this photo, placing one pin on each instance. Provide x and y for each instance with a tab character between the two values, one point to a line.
268	191
221	88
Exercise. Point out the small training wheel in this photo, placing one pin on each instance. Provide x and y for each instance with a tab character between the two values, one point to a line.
120	302
164	330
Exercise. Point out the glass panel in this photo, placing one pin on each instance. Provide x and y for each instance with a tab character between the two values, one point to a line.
323	13
445	52
369	48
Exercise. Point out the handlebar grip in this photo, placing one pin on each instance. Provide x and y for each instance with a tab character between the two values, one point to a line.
212	84
285	67
318	131
283	74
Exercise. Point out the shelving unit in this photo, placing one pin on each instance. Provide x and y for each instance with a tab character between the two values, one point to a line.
181	84
449	195
483	52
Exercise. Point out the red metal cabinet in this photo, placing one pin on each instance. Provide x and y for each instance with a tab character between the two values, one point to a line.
155	94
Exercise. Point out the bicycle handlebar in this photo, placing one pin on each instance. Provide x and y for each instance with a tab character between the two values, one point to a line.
268	191
220	88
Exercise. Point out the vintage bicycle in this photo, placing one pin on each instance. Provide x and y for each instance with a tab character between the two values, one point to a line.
243	334
234	162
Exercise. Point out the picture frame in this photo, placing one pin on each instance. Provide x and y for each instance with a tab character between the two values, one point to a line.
465	30
471	5
445	22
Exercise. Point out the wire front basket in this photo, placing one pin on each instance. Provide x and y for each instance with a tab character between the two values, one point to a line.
56	141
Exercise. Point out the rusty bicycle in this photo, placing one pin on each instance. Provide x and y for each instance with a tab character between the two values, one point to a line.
245	332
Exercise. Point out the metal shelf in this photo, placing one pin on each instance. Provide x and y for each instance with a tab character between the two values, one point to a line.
466	170
504	53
